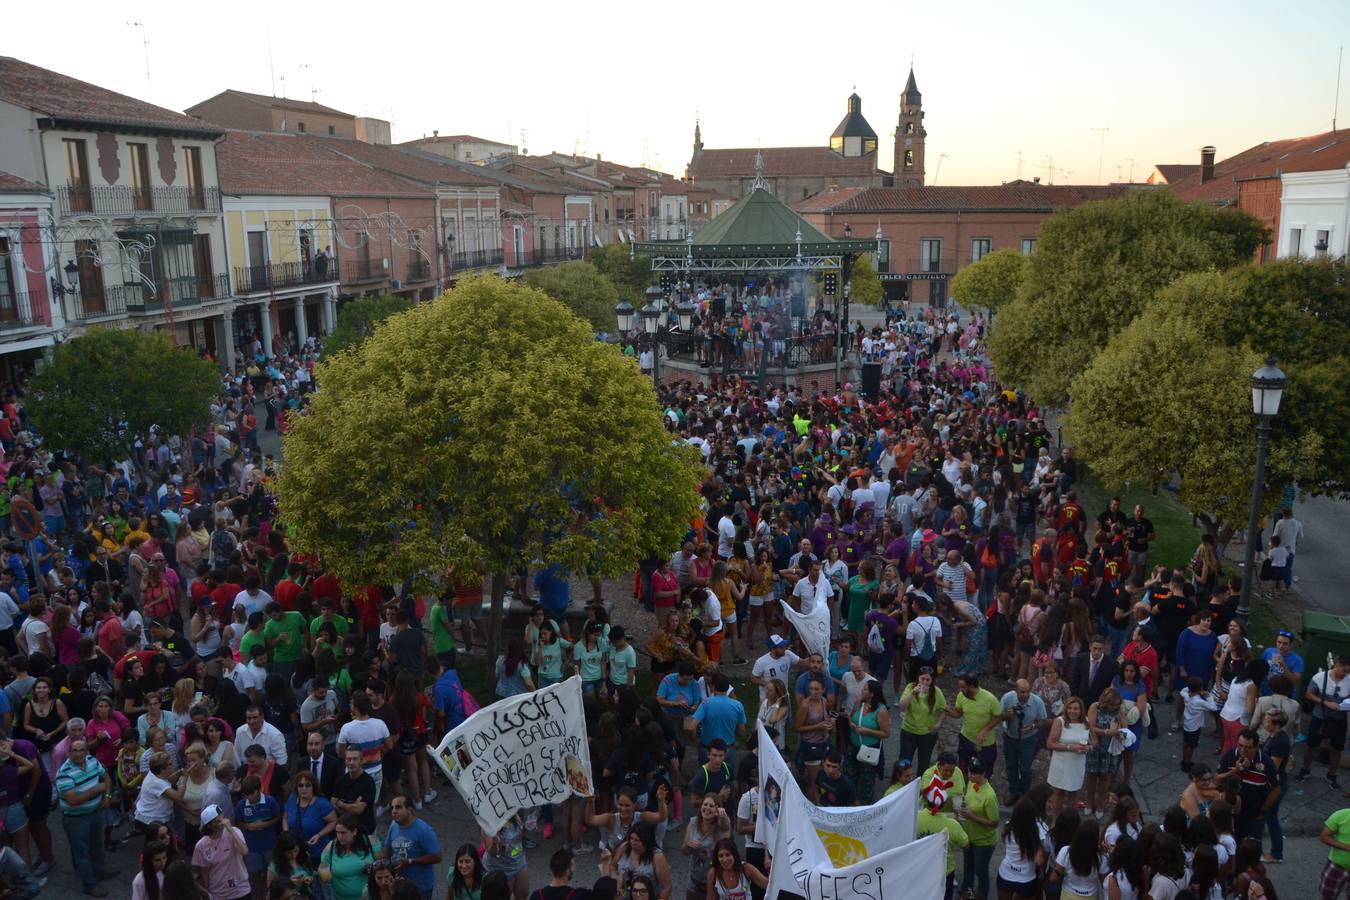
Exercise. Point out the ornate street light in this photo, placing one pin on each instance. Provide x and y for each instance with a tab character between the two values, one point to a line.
1268	384
650	318
685	312
72	274
625	313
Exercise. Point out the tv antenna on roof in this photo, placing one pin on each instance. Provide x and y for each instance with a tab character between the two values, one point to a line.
145	45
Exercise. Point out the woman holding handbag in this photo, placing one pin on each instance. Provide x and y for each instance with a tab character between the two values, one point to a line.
869	726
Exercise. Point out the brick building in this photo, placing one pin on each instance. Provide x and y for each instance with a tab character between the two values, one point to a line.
1254	181
258	112
930	233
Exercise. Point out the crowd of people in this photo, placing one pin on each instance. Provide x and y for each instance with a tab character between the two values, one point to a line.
182	679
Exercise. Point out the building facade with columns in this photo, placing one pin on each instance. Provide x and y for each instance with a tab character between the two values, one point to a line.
135	207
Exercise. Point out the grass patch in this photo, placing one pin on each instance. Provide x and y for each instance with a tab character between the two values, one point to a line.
1178	536
1178	533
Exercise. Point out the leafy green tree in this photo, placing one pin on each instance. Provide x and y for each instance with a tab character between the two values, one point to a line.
482	431
1095	269
581	288
358	318
863	284
629	274
992	282
1170	394
104	390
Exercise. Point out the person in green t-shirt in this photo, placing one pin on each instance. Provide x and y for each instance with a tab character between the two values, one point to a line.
328	614
1336	835
932	820
924	707
979	711
550	655
285	636
979	816
253	635
622	659
442	622
862	592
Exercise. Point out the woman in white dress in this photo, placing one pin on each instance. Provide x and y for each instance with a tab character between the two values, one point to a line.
1069	743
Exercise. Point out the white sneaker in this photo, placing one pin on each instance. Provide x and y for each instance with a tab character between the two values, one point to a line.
430	795
417	805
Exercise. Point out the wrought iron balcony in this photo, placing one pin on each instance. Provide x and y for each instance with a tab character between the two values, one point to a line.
419	269
126	201
273	276
16	311
539	256
121	299
356	269
475	259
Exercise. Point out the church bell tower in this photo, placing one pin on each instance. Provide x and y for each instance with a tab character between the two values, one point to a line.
909	137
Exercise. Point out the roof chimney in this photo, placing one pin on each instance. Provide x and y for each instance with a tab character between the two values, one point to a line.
1206	164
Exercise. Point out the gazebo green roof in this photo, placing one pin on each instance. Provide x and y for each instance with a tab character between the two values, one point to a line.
759	224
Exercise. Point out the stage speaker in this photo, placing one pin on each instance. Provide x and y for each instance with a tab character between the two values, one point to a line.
871	380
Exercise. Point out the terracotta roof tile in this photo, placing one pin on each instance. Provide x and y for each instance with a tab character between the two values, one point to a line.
256	162
427	168
1174	172
1328	150
282	103
1014	196
13	184
780	162
51	94
459	138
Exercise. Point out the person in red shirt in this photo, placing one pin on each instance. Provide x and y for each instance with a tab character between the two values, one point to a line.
290	588
369	599
225	588
111	635
326	587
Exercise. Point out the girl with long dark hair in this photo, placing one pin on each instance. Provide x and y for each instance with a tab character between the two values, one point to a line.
465	877
1077	863
1024	851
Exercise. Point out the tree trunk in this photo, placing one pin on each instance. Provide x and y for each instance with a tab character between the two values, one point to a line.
495	617
1223	531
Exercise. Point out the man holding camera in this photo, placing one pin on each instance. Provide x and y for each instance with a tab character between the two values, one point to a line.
1022	711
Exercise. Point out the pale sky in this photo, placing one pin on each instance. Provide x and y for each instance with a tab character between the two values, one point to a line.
625	80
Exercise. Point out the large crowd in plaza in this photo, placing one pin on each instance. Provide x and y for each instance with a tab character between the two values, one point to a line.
209	713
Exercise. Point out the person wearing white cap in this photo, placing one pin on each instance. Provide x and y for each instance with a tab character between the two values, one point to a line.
219	857
774	665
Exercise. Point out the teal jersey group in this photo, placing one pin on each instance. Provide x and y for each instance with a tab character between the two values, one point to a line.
591	661
621	662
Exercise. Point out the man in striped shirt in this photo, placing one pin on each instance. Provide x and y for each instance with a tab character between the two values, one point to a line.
83	787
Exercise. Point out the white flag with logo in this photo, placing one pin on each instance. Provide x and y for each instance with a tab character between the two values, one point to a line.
805	864
813	626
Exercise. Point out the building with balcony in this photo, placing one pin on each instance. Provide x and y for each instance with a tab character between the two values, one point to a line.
136	204
28	278
930	233
308	225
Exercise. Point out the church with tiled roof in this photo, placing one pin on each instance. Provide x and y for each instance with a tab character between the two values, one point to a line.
850	159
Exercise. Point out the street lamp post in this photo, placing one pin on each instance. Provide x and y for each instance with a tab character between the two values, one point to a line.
655	316
1268	384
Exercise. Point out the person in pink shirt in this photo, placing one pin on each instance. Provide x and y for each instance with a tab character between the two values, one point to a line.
219	855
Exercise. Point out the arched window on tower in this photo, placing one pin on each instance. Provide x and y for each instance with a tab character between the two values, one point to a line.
909	128
909	157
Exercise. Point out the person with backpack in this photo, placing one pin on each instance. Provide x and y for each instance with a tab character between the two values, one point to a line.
923	637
